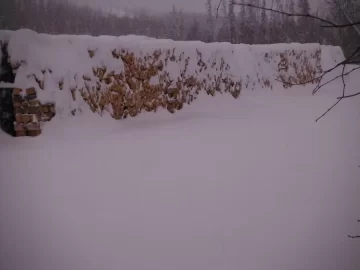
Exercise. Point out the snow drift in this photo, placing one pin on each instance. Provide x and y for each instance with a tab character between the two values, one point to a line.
111	74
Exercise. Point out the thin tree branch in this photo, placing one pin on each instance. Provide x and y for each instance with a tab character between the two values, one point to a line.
343	63
305	15
218	7
345	74
341	25
337	102
349	96
354	236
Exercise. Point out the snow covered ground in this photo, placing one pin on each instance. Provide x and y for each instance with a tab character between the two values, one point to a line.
252	183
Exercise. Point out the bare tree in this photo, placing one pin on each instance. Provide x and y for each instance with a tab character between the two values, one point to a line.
276	24
263	25
243	26
328	23
251	24
304	25
64	17
224	31
194	31
210	22
233	34
290	23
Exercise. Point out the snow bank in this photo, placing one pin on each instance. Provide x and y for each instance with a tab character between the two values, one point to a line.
225	184
56	65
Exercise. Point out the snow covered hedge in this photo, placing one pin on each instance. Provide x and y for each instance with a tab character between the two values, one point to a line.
125	75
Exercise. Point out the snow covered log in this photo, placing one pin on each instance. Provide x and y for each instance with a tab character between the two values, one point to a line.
21	112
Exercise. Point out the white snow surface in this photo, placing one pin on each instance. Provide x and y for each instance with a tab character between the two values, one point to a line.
68	60
252	183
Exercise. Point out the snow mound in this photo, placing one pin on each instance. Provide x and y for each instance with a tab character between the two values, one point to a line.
59	65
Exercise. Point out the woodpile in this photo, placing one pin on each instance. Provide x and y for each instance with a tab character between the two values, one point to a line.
29	112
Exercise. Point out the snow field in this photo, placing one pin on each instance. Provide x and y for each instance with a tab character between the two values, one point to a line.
250	183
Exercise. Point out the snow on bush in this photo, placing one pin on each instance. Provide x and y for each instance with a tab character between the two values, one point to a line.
128	74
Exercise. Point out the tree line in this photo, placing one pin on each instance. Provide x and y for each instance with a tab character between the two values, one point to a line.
226	22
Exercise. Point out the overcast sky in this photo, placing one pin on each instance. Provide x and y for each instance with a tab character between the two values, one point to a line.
160	5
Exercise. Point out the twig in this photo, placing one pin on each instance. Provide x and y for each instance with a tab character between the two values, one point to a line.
349	96
318	86
337	102
343	63
354	236
328	110
217	9
333	79
341	25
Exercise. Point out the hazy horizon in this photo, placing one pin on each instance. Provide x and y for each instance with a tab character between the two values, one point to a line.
162	5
